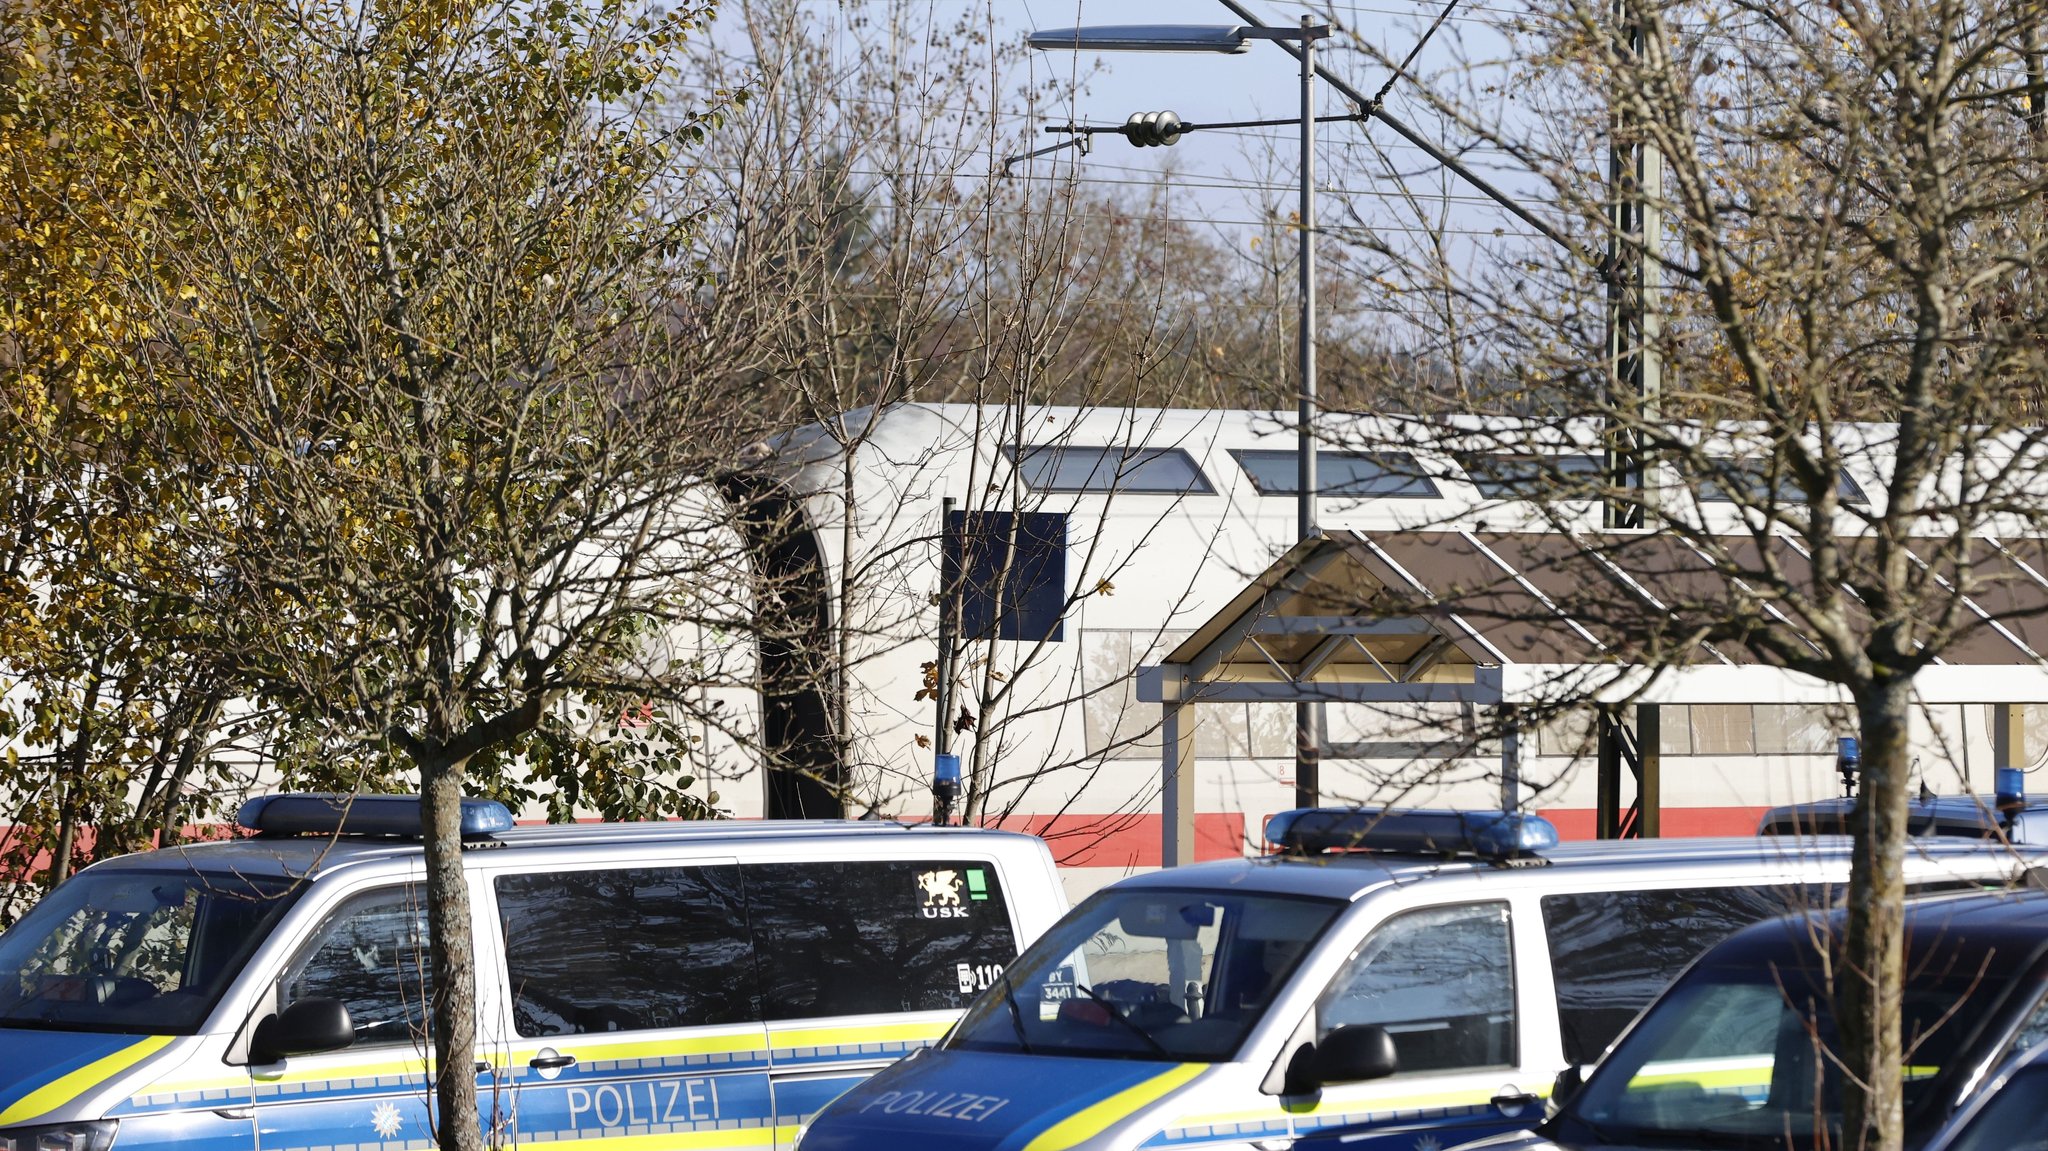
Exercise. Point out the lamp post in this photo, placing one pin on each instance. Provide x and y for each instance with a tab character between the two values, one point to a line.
1164	128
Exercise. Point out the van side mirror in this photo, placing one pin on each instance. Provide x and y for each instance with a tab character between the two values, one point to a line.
307	1027
1354	1052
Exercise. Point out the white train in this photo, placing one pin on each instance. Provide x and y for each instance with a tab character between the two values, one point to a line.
1130	528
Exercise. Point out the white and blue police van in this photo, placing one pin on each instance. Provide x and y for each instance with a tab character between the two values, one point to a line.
671	985
1420	978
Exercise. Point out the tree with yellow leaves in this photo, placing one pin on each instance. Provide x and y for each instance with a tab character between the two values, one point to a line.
386	319
118	716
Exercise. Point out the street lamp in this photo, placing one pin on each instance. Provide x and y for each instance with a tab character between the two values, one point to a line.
1149	38
1165	128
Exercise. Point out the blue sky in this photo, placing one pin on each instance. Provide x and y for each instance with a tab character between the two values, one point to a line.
1226	182
1264	83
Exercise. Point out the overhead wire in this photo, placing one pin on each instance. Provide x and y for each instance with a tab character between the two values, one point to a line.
1090	174
1244	221
1137	177
1001	117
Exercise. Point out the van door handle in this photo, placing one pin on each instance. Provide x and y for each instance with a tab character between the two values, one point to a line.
1511	1101
551	1062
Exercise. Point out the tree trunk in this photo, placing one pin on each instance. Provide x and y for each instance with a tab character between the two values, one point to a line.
70	778
67	823
197	733
453	955
1870	973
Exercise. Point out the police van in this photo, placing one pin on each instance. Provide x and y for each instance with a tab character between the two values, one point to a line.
1742	1050
673	985
1420	977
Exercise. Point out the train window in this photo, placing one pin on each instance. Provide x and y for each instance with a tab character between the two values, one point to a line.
1010	572
1731	480
1066	468
1387	474
1744	729
1526	476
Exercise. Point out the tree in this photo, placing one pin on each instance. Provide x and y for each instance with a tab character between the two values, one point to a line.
1852	197
102	707
427	340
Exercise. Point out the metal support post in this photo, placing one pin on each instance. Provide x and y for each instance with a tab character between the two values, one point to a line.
942	686
1633	749
1635	177
1634	382
1607	804
1177	783
1650	773
1308	744
1510	760
1308	753
945	765
2009	759
2008	736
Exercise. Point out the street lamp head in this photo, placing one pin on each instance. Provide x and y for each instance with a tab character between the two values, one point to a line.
1144	38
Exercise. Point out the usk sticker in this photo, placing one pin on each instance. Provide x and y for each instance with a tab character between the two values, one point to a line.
941	890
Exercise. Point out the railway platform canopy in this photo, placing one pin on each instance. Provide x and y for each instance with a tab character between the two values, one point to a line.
1523	623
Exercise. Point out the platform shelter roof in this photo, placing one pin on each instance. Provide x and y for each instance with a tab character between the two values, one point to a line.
1498	617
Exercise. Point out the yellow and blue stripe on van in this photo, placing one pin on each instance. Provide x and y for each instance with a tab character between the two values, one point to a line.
702	1090
996	1101
43	1072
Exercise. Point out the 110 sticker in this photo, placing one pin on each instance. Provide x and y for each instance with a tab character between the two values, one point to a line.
977	976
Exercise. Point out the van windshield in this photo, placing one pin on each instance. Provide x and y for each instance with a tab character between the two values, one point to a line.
1148	974
1748	1056
140	952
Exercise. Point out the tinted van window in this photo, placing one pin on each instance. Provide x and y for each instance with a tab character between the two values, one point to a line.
627	950
1612	952
371	955
1441	980
1746	1055
850	938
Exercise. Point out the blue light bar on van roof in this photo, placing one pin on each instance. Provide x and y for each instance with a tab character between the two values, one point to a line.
1484	834
398	816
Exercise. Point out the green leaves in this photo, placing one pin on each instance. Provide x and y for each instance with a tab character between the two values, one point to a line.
337	333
